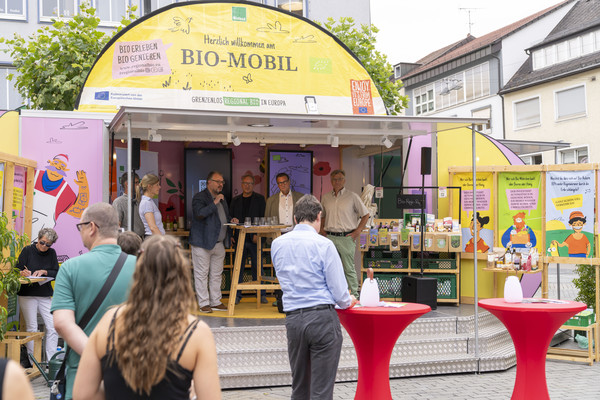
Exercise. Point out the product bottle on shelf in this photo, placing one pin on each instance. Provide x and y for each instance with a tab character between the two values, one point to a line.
517	260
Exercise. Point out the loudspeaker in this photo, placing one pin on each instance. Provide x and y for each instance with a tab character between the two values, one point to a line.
135	154
425	160
423	290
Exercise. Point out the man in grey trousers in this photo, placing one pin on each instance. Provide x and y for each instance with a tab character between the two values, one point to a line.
312	279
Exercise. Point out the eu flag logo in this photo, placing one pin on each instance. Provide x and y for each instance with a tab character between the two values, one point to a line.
101	95
361	110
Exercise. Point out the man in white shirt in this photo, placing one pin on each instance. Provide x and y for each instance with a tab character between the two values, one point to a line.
281	205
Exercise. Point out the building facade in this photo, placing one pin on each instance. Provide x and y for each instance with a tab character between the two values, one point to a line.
555	94
464	78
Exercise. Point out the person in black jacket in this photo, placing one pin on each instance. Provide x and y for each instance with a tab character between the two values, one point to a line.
249	204
39	260
208	238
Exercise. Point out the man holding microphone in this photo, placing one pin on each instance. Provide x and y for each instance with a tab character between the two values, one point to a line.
208	238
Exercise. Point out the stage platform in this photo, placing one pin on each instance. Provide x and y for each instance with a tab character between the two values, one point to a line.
252	352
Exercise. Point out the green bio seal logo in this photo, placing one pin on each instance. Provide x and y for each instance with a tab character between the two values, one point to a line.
238	14
321	65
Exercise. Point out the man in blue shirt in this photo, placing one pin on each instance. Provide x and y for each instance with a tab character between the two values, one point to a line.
312	279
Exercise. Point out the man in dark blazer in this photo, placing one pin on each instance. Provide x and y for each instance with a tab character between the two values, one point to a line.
208	238
281	205
248	204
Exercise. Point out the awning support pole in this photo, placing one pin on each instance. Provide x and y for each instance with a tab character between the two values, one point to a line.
475	240
129	176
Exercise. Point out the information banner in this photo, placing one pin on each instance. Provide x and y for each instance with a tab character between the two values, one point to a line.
229	56
485	210
570	213
520	210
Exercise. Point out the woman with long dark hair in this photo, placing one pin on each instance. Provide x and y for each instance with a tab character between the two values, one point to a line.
151	347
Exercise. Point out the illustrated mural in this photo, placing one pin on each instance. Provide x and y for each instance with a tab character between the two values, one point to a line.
68	178
570	213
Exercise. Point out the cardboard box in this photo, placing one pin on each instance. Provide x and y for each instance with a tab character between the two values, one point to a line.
429	244
373	238
405	237
455	242
415	241
364	241
440	242
394	241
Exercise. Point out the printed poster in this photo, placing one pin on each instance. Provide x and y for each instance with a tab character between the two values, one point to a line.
485	211
228	56
520	210
68	178
570	213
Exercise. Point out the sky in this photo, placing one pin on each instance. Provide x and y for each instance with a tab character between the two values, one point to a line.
411	29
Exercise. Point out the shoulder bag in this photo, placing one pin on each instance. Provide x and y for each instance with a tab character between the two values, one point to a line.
59	385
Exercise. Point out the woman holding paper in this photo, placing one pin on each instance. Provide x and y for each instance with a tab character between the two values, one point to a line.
39	260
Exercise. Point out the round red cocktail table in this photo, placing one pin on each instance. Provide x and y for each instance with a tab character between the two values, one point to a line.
374	332
531	327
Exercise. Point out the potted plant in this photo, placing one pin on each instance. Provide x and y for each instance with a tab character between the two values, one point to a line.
11	244
586	285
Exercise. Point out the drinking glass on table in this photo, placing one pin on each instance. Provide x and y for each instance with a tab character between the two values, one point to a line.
247	222
274	220
255	221
261	221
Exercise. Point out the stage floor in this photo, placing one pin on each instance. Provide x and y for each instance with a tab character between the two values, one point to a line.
216	321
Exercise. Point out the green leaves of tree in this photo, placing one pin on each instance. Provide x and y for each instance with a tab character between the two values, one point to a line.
361	41
11	244
54	62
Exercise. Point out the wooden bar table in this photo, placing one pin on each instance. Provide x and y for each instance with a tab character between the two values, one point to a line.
261	231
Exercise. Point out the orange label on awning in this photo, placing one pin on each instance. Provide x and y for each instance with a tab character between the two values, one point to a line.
362	101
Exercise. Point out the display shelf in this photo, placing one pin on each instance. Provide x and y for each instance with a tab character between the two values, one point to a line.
587	356
390	279
512	270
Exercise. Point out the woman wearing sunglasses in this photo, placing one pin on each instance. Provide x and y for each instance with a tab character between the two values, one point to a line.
39	260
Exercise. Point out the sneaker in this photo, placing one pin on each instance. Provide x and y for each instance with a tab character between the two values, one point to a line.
206	309
220	307
264	300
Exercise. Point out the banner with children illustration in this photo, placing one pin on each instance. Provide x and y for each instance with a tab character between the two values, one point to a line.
570	213
520	210
483	222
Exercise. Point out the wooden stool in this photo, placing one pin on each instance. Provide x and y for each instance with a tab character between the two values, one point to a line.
11	347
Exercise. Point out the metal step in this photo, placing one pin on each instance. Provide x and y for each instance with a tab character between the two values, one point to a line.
256	356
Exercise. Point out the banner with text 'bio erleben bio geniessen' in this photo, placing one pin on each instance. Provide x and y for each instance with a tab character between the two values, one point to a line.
229	57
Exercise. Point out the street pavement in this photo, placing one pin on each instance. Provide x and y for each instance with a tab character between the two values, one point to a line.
566	380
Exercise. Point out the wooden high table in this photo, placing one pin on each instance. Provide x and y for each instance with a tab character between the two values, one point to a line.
261	231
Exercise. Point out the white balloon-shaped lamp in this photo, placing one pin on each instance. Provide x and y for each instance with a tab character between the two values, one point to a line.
513	292
369	293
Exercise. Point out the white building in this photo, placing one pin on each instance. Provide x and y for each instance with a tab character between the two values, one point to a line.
555	94
464	78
